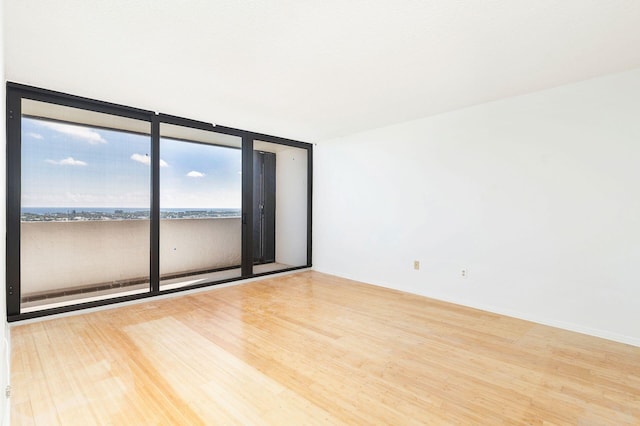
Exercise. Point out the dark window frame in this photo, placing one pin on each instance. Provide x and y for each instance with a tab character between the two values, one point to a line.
16	92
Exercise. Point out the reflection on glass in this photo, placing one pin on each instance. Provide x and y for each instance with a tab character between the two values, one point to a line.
85	198
200	206
279	207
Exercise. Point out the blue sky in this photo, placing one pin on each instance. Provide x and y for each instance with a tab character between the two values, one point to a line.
67	165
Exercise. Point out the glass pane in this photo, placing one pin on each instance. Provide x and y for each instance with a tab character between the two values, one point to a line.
280	207
200	206
85	198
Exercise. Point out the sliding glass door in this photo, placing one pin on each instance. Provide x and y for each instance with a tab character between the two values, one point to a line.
200	206
84	207
108	203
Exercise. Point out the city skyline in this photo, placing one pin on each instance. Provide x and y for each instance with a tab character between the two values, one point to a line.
51	214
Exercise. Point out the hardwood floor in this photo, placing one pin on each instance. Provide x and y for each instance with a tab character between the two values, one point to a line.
310	348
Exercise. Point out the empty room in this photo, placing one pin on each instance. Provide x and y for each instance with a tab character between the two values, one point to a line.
358	212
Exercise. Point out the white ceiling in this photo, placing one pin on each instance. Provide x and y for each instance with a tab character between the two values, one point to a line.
313	70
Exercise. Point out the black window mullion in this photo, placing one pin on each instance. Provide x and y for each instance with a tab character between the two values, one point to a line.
14	134
309	202
247	206
186	122
58	98
154	273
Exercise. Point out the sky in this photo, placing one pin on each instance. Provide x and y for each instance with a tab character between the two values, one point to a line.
66	165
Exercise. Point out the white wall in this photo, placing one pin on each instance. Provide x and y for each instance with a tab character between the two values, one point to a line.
537	196
291	207
4	334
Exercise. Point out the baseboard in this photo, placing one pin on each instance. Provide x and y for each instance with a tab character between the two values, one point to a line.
577	328
603	334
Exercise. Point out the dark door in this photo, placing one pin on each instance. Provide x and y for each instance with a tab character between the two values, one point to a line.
264	207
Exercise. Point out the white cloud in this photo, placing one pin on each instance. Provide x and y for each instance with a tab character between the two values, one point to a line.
145	159
35	135
69	161
195	174
77	132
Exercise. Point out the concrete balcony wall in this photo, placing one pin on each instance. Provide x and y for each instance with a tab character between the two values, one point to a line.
291	207
197	244
65	255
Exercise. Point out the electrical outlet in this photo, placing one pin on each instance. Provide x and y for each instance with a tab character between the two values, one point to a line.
464	273
416	265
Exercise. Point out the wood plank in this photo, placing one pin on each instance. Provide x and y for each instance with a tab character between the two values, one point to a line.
311	348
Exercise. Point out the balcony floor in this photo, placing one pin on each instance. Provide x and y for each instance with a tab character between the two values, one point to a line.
72	299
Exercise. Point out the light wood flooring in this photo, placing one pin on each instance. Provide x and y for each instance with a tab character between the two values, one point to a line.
310	348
